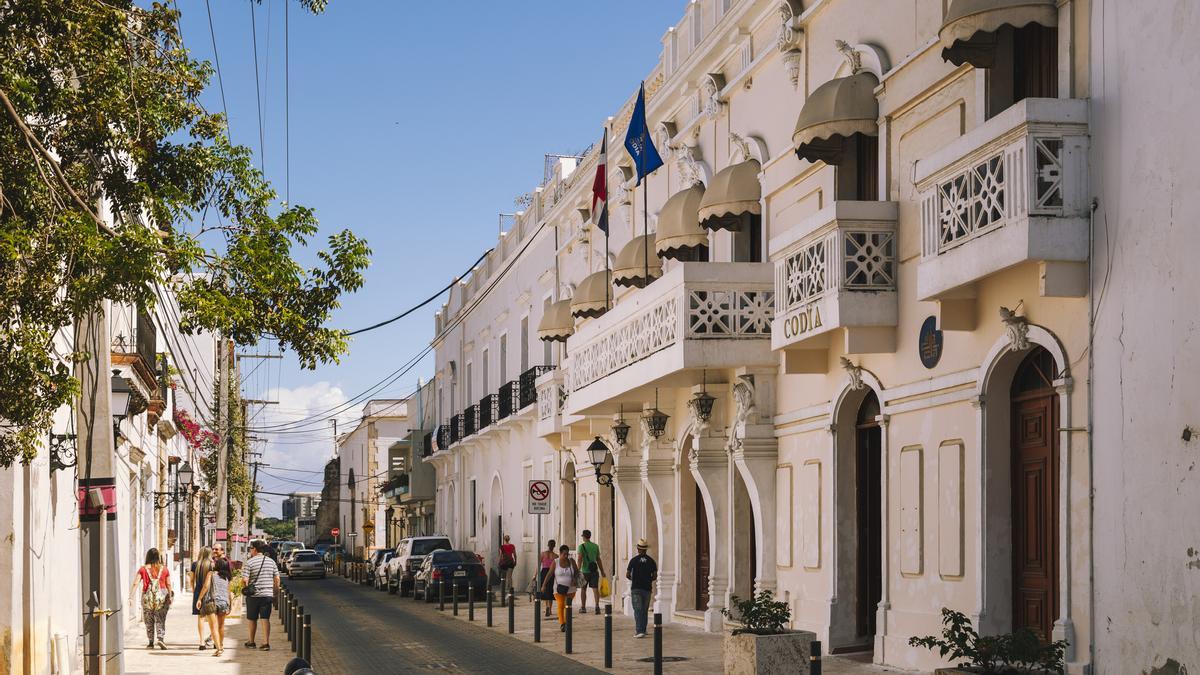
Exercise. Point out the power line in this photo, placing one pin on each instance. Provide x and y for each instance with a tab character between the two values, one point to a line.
424	302
217	59
262	146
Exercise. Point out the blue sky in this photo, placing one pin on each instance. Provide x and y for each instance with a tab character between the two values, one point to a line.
413	124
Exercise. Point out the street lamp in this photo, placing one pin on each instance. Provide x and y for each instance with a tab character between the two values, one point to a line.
702	403
620	429
185	475
121	393
597	452
656	420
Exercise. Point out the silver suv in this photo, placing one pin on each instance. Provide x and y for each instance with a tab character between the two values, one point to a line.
410	553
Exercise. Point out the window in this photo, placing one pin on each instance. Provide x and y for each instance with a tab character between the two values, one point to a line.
467	400
474	509
547	346
1025	65
858	169
484	375
747	240
525	343
502	366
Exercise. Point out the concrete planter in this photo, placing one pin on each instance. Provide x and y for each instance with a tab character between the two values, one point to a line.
974	671
748	654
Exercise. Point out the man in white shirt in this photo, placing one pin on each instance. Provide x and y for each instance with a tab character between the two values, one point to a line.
261	574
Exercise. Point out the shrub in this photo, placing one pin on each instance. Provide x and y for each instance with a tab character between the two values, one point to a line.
1005	654
760	614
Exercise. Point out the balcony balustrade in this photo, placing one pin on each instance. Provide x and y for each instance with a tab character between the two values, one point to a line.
697	316
1012	190
470	420
528	387
837	269
456	429
552	397
508	399
442	436
489	410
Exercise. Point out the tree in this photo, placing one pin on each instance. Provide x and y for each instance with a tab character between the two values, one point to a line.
115	183
278	529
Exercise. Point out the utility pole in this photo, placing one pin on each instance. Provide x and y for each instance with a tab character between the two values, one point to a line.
253	488
224	426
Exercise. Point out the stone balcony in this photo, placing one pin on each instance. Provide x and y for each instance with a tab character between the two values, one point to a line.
552	397
1013	190
697	316
836	270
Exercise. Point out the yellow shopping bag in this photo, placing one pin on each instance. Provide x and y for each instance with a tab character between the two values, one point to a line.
604	588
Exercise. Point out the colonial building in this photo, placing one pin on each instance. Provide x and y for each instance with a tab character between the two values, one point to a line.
838	347
364	465
410	488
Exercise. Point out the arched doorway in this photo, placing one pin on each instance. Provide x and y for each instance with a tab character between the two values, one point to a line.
1034	493
497	517
868	444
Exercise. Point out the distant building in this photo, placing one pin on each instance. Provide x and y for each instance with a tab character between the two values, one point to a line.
328	511
306	529
301	505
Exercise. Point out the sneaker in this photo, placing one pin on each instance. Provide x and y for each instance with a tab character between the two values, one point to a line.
250	644
151	644
583	610
562	627
162	645
597	611
265	648
640	635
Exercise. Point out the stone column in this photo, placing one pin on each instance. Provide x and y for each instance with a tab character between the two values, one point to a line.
658	477
885	604
755	452
627	477
709	464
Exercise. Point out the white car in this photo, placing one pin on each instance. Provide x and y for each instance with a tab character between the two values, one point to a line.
306	562
379	579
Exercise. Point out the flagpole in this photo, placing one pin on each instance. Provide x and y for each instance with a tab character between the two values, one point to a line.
645	189
607	226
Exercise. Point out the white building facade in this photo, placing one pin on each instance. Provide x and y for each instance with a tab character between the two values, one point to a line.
848	359
364	467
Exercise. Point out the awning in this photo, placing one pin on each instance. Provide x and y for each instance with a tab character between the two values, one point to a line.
679	235
591	296
557	324
834	112
968	35
633	260
732	194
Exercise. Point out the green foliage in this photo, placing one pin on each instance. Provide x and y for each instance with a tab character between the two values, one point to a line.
115	180
760	614
1006	654
278	529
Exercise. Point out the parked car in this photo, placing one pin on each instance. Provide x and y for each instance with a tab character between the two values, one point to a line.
306	562
409	554
373	559
379	576
448	568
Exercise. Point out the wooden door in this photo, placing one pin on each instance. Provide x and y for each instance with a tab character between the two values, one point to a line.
1035	511
702	559
869	489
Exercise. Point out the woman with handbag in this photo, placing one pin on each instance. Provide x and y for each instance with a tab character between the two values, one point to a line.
507	561
213	603
565	576
203	604
155	582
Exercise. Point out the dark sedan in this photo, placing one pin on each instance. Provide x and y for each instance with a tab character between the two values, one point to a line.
452	568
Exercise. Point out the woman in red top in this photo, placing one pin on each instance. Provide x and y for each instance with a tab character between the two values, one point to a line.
154	581
506	563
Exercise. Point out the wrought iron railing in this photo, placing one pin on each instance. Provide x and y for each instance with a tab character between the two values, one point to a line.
470	420
427	445
489	410
456	429
528	387
508	399
442	436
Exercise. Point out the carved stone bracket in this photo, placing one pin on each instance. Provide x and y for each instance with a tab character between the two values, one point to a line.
690	170
791	37
664	137
855	374
1017	329
710	94
852	56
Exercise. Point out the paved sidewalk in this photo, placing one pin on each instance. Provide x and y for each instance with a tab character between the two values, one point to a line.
181	655
686	649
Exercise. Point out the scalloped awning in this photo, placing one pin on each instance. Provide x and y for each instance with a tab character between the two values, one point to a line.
679	235
635	257
732	193
968	35
591	296
834	112
557	324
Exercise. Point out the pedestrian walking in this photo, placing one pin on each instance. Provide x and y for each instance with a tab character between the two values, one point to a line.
262	581
205	555
565	576
154	581
592	568
642	572
507	562
546	560
213	602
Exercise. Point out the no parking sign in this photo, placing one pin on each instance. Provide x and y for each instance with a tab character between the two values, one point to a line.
539	497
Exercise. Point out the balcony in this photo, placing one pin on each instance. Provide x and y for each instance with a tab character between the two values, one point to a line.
442	436
1014	190
552	396
697	316
836	270
427	445
509	399
456	429
489	410
133	338
470	420
527	394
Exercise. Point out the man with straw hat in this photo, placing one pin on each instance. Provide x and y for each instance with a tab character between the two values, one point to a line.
641	573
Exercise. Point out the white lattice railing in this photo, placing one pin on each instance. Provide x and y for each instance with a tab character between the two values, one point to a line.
674	308
551	395
855	259
1021	163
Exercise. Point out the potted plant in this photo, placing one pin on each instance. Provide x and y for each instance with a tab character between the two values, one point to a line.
763	644
1016	653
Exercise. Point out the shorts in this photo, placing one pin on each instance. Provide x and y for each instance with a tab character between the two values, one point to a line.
258	607
592	578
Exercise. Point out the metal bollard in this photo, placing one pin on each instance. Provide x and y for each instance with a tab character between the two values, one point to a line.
657	643
512	617
570	612
306	652
441	595
470	602
454	589
814	658
489	605
286	615
299	629
292	623
537	620
608	635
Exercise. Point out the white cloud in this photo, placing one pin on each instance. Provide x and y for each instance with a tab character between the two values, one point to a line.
298	438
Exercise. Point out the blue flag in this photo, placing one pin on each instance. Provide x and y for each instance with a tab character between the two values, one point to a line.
637	139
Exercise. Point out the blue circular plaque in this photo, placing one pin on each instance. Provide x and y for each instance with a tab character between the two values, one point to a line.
929	345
